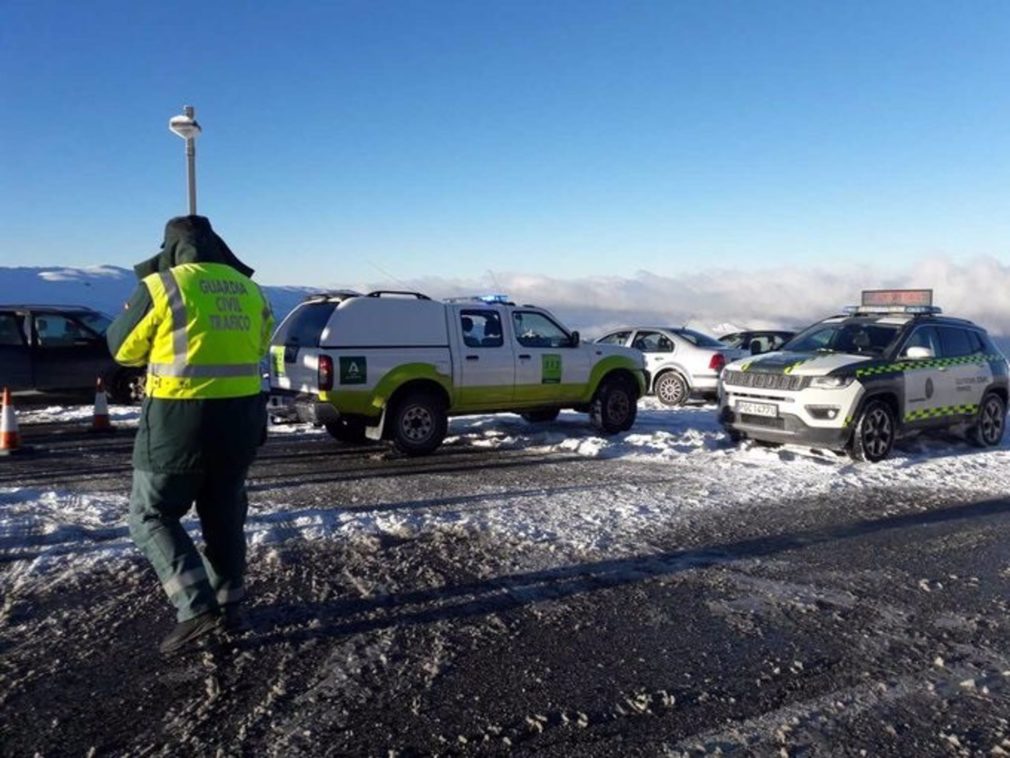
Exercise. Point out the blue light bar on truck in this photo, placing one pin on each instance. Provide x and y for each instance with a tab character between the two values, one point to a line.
495	298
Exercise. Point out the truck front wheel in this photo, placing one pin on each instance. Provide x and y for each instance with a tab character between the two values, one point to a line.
419	423
615	406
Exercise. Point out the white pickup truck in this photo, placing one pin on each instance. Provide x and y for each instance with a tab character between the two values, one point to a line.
396	365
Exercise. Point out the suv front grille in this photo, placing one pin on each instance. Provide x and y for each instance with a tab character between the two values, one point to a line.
763	381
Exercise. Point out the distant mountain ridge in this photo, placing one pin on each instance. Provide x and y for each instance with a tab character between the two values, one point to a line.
104	288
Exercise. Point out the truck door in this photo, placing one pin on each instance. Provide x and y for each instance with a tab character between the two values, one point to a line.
15	355
549	366
487	359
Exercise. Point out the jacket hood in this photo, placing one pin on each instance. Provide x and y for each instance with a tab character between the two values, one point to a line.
190	239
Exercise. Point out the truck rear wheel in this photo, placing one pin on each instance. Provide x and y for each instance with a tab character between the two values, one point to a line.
419	423
615	406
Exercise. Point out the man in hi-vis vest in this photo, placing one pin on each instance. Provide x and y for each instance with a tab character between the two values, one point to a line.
201	326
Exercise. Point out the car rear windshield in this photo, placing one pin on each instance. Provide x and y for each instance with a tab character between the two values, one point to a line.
699	339
305	325
845	337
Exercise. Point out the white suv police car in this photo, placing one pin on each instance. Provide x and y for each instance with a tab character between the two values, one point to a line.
396	365
858	381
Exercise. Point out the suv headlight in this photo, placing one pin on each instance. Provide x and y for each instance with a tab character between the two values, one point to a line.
831	382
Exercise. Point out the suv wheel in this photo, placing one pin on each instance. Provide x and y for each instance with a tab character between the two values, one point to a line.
347	429
874	433
991	422
615	406
541	416
128	387
670	388
419	423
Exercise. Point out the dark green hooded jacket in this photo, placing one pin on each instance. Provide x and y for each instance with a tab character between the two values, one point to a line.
185	436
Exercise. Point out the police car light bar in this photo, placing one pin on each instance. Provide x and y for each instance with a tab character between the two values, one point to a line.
879	298
495	298
913	309
896	301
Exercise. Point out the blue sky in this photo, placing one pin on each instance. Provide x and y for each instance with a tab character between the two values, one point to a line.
449	139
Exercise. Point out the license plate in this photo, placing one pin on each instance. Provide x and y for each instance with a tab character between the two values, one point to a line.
758	409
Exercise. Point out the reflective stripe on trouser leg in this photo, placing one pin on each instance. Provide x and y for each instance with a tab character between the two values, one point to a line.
222	505
157	503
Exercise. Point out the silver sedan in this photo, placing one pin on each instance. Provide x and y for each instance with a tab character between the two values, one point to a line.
681	363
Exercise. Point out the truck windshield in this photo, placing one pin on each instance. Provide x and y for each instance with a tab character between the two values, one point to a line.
845	337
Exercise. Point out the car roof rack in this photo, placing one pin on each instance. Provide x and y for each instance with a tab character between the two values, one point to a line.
339	295
397	293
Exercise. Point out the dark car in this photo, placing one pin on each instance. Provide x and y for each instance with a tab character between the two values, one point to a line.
61	349
757	341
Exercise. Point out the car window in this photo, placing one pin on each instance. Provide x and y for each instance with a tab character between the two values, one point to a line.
304	327
765	343
954	342
652	342
924	336
733	340
777	340
97	322
536	330
977	342
11	332
697	338
481	328
617	338
56	330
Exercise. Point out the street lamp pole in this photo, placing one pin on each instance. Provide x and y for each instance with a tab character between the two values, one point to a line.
186	127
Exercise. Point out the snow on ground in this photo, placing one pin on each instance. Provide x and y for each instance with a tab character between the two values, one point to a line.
685	461
125	415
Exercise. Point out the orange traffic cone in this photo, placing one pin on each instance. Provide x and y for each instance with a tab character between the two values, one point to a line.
100	422
10	437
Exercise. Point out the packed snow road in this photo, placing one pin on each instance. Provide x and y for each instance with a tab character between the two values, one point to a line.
527	590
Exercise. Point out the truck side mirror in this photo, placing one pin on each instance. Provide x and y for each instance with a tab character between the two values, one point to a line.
576	339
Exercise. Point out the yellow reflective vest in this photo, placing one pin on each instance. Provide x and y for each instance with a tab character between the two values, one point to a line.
204	335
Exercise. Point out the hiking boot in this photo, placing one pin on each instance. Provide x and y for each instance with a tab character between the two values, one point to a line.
186	632
235	620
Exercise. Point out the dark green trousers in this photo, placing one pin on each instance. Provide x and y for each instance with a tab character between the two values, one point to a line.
194	582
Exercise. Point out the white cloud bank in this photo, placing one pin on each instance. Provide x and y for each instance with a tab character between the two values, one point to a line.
978	289
775	297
